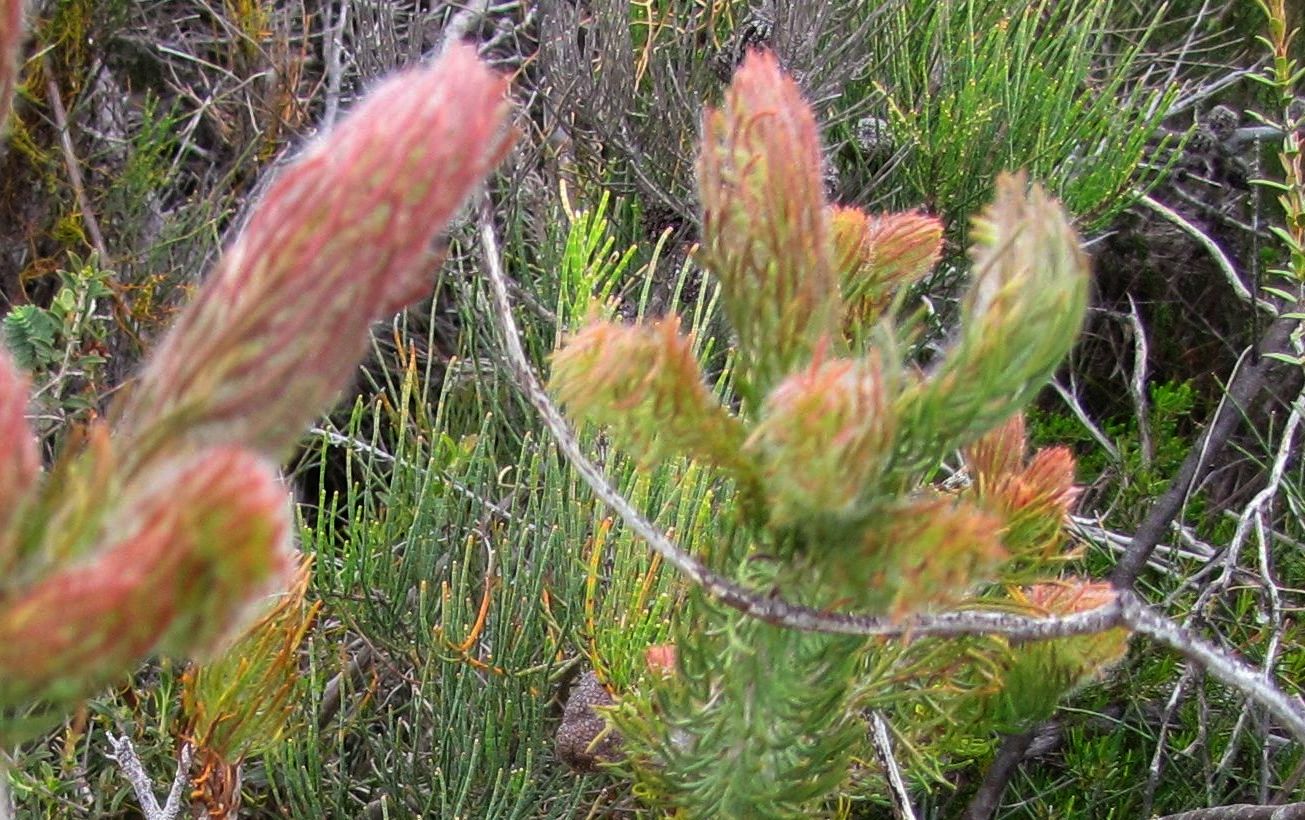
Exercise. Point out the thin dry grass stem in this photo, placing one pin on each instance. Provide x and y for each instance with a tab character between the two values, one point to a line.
1070	396
1137	384
1162	733
1190	42
462	21
1167	558
73	165
337	439
642	101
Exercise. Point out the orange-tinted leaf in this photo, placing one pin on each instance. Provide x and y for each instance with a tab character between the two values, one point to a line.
1068	597
238	702
926	553
896	250
848	228
1042	673
1033	499
998	452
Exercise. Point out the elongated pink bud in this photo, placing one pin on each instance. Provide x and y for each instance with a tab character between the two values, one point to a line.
20	464
765	227
824	438
342	239
198	541
1034	499
644	382
11	38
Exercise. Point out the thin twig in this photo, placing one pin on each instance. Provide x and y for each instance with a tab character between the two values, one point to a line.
180	780
1071	399
1208	90
350	443
73	164
1231	750
1275	636
1221	260
1242	811
1091	530
1289	785
6	798
1137	384
1157	759
1010	754
333	692
897	791
469	15
334	47
1180	58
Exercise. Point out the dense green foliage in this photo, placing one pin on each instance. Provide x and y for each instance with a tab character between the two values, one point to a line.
464	578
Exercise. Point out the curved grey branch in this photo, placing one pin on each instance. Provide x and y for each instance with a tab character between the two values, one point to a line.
1125	611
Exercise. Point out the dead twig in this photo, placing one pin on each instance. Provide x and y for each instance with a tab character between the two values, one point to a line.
1220	258
1157	759
351	676
897	791
1137	384
125	756
1070	396
1242	811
